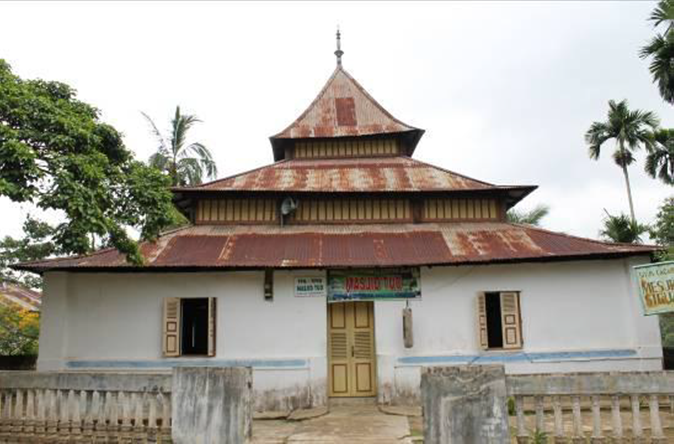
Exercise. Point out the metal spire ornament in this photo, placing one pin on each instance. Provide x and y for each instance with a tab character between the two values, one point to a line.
339	53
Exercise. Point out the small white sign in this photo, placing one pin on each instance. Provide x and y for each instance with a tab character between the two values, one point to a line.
309	287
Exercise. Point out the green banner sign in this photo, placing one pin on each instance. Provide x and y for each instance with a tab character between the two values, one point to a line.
371	285
656	287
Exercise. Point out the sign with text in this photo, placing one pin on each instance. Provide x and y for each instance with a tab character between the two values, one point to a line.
374	285
656	287
307	287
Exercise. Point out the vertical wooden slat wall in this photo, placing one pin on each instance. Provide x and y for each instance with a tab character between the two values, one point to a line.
236	210
346	148
352	210
460	209
345	210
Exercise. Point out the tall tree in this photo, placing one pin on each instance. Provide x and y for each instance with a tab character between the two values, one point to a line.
532	217
660	158
36	244
622	229
185	163
662	229
661	49
56	154
630	130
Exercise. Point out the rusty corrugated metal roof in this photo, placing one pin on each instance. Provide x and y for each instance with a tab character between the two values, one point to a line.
13	295
382	174
324	246
343	109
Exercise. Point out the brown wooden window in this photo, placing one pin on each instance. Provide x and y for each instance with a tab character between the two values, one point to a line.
499	320
189	327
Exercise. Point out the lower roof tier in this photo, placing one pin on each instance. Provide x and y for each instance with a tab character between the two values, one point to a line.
325	246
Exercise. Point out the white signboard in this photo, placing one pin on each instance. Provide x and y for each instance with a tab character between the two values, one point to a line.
310	287
656	287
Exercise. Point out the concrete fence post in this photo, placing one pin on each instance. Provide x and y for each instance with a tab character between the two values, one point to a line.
211	405
464	405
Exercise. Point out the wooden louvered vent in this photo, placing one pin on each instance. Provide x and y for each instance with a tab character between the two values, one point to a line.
339	347
362	345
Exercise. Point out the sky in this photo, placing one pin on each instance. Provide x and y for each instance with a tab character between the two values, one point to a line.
504	90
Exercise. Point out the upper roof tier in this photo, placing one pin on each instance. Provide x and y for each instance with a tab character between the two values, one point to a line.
344	109
397	174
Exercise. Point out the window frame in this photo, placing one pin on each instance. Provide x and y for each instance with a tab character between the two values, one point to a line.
172	323
483	324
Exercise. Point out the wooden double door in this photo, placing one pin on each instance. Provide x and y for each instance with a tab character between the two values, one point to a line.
351	354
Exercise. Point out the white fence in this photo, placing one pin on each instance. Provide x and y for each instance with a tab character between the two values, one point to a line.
85	407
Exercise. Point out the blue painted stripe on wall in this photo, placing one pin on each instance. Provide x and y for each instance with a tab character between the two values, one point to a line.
517	357
170	363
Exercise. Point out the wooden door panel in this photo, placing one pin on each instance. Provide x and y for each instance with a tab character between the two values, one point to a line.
337	315
351	349
361	315
364	378
340	379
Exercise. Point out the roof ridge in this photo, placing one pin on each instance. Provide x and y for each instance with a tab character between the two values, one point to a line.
377	104
311	105
358	86
585	239
451	172
234	176
101	251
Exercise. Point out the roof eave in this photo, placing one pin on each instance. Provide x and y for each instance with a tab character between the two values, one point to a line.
643	251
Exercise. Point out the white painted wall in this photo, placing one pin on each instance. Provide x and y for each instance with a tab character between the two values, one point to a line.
114	320
589	307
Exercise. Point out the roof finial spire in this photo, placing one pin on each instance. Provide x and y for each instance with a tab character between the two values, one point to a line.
339	53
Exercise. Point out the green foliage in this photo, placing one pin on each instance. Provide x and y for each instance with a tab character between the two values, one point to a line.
186	164
19	331
36	244
667	329
661	50
532	217
57	154
662	229
539	437
622	229
630	129
660	158
511	406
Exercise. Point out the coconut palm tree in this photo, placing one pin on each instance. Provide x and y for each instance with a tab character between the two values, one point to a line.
622	229
532	217
630	129
660	158
186	163
661	50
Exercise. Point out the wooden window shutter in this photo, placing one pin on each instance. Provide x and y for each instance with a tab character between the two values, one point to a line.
171	336
212	309
511	320
482	321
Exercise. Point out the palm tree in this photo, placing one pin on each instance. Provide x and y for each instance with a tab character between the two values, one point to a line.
660	158
630	129
622	229
186	164
661	50
532	217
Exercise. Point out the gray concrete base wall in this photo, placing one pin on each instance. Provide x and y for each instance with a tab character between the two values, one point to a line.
102	381
212	405
464	405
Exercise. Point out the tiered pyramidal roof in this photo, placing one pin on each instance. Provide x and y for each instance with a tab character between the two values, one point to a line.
344	109
347	155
